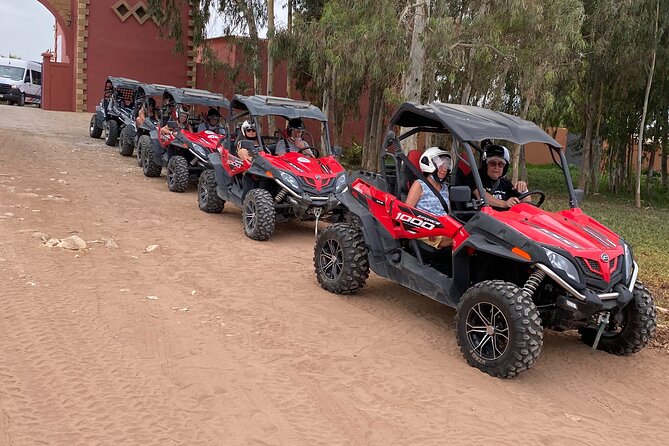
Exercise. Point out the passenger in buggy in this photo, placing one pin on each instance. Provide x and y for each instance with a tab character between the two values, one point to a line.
212	123
249	133
435	163
294	141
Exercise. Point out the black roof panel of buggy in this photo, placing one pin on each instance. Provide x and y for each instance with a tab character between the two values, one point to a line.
197	97
153	89
122	82
470	123
259	105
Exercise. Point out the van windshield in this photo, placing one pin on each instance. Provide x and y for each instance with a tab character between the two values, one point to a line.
13	73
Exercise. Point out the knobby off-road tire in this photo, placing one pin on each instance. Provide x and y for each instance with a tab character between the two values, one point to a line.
340	259
498	329
177	174
94	130
126	145
112	133
258	215
631	329
149	165
207	199
143	146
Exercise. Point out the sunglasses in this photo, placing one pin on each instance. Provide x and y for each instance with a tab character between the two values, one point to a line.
499	164
250	130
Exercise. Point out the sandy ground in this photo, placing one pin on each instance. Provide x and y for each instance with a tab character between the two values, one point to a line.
238	345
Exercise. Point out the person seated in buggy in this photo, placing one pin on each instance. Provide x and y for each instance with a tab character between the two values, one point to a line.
148	110
294	142
435	163
212	123
249	133
501	193
181	113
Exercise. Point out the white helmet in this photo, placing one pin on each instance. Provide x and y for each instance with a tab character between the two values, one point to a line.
433	158
248	125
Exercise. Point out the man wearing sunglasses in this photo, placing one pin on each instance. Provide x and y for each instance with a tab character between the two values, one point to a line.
500	192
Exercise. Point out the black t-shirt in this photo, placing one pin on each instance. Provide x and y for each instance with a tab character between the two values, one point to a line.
502	189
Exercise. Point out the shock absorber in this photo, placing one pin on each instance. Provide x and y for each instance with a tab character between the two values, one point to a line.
280	196
533	283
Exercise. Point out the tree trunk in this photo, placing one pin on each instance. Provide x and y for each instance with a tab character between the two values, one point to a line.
596	147
247	12
651	164
372	151
467	89
517	148
586	155
413	78
637	195
289	29
270	41
665	152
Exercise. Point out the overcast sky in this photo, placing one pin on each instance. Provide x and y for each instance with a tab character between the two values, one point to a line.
26	28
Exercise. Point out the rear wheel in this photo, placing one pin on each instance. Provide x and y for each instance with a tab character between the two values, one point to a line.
258	215
630	329
150	167
94	130
126	145
177	174
498	329
340	259
22	100
207	198
112	133
143	145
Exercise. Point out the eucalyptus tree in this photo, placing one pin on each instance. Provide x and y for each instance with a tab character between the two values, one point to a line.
239	17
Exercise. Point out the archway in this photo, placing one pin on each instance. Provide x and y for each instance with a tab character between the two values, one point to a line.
20	40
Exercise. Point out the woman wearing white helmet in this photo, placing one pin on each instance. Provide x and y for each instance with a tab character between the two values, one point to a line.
249	133
500	192
435	163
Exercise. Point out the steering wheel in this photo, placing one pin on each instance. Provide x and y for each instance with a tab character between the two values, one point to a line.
542	196
314	150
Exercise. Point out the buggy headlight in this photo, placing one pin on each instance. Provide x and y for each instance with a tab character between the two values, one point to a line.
341	183
199	150
290	180
629	262
562	263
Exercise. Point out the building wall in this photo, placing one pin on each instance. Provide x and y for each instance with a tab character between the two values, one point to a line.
129	45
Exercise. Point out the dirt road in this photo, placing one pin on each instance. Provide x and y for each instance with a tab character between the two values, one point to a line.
214	339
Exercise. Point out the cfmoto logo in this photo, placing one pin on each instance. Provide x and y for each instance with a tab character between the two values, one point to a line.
605	257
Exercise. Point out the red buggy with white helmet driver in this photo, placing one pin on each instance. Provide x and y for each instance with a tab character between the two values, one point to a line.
273	188
510	274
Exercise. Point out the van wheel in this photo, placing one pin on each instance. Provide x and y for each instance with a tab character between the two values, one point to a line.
22	100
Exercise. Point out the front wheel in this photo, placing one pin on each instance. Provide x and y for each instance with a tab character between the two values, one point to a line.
22	100
112	133
177	174
630	329
143	145
498	329
149	165
207	198
340	259
94	130
258	215
126	145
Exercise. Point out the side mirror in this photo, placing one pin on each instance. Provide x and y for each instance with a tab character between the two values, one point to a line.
579	194
249	145
172	124
460	194
337	151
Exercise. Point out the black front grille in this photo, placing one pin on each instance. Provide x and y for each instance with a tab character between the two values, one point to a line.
4	88
594	278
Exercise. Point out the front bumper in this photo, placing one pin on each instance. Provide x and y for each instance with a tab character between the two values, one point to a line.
13	95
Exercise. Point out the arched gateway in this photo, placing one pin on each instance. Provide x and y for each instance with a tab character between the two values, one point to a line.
96	39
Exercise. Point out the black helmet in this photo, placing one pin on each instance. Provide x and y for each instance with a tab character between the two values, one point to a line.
295	124
151	102
213	113
495	150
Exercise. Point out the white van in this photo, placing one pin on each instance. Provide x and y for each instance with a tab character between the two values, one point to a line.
20	81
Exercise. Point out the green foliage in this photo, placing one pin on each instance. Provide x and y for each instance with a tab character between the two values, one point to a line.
351	157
